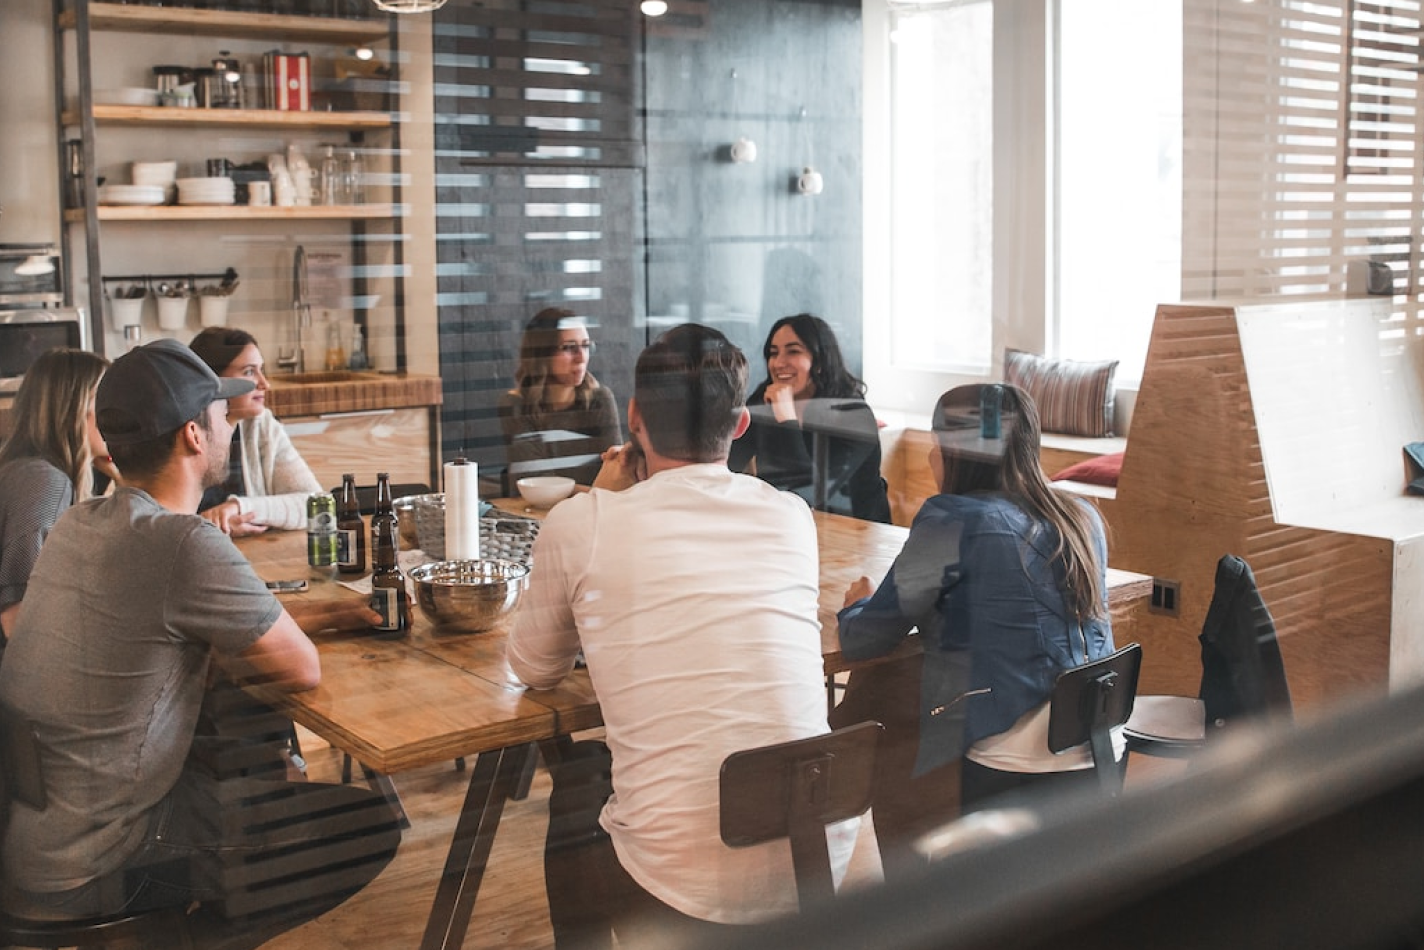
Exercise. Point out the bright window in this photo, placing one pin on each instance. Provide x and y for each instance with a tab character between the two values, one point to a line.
1119	179
943	162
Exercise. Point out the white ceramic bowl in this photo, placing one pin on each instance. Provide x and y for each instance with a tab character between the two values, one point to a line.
155	173
544	491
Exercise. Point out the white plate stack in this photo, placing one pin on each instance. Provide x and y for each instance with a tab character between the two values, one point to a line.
132	194
206	191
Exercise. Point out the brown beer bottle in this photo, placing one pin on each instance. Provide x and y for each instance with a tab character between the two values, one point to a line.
388	593
350	530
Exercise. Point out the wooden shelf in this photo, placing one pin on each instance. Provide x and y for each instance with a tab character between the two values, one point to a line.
180	21
158	213
248	118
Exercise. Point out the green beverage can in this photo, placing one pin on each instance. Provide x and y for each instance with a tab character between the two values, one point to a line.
321	529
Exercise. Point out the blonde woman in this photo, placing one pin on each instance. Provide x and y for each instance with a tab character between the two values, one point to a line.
47	463
558	419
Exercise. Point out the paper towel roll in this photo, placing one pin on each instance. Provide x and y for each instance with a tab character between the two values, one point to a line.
462	510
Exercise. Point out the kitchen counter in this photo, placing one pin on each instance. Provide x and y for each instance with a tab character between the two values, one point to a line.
345	421
362	422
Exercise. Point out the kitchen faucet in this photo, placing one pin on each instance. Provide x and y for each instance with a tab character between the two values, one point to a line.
301	314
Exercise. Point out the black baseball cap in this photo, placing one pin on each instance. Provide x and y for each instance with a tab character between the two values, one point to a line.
154	389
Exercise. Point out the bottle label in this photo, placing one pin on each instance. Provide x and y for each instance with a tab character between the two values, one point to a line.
386	601
346	548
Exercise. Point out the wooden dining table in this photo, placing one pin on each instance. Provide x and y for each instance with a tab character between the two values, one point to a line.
430	697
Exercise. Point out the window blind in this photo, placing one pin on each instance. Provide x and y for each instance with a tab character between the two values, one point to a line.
538	185
1301	146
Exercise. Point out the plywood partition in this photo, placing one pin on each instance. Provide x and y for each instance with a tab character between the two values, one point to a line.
1195	486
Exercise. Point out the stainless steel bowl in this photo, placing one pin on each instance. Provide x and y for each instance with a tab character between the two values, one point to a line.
405	514
469	596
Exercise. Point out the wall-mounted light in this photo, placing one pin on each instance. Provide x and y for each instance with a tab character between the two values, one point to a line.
743	151
364	53
35	265
810	182
653	7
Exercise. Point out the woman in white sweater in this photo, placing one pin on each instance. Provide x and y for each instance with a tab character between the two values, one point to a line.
268	482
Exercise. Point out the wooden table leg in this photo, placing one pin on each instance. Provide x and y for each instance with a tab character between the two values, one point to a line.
387	788
492	783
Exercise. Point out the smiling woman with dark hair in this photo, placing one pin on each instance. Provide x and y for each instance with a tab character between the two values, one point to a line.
810	395
557	410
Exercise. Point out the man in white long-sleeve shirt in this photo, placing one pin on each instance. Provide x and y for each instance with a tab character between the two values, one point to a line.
692	592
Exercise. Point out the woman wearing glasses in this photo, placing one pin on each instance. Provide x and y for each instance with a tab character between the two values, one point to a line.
558	419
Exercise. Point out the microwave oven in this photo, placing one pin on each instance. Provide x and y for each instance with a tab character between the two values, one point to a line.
25	334
30	276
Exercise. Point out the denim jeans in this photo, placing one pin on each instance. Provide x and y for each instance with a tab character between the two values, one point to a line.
591	896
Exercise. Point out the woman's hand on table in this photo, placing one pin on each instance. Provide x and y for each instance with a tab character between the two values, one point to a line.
623	467
230	520
343	614
859	589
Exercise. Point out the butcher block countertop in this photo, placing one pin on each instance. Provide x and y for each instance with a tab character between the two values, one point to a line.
322	393
314	394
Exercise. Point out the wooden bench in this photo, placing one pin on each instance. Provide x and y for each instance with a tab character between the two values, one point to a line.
905	452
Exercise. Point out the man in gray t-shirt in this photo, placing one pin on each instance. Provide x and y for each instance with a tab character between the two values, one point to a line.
132	597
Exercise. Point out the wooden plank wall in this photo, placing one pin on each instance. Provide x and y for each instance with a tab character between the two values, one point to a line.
1193	488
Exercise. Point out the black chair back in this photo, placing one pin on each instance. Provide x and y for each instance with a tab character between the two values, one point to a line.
23	777
22	782
1088	702
794	790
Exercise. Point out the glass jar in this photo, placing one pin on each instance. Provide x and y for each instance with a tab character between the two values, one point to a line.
354	177
333	179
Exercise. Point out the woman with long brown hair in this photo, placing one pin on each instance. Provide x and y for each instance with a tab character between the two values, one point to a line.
268	481
1005	577
47	463
558	419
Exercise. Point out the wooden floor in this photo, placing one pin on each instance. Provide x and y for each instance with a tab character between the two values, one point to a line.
511	913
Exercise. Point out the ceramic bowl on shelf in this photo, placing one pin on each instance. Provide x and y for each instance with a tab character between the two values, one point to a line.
161	174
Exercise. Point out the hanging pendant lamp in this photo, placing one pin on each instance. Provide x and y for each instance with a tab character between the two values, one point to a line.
409	6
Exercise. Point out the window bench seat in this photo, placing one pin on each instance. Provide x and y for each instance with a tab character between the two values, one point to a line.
905	453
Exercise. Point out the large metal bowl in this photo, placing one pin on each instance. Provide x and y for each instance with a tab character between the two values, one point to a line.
405	515
469	596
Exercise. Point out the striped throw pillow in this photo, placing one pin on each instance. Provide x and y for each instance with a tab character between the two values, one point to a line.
1073	397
